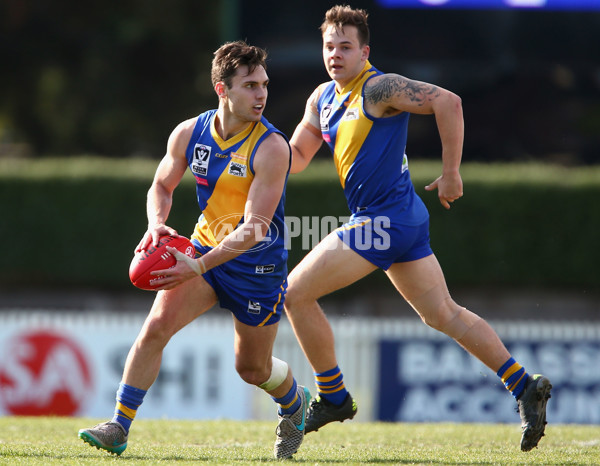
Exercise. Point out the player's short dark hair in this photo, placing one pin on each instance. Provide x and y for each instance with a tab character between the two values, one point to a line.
231	55
343	15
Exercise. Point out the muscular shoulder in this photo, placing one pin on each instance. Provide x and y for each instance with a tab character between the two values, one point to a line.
313	100
184	130
311	113
181	135
273	154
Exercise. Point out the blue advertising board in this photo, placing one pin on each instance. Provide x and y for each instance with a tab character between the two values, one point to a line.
435	380
564	5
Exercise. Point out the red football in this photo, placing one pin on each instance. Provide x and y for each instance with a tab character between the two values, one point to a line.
157	258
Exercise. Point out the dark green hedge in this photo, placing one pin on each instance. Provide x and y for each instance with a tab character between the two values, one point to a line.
75	222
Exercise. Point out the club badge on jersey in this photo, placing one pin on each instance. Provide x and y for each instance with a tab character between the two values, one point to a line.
325	116
199	164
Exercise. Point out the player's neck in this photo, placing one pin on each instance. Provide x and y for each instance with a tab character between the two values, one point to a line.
228	126
347	85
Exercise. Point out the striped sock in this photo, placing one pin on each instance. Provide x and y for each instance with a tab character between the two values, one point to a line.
514	377
128	400
290	402
330	385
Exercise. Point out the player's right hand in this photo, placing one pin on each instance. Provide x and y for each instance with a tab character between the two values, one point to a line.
153	234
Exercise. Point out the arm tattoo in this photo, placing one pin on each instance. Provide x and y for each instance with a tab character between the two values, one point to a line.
392	86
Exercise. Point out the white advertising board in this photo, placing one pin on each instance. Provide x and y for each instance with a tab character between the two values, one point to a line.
67	364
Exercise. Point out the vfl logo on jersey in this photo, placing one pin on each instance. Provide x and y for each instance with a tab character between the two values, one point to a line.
351	114
324	117
200	162
254	307
237	169
261	269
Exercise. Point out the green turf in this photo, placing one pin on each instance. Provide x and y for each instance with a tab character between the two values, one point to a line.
42	441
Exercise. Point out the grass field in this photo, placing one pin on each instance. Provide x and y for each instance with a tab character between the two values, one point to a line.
43	441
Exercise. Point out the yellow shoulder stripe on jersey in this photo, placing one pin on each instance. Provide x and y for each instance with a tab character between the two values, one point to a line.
354	127
225	207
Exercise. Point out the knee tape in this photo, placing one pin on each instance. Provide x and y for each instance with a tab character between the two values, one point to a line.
279	371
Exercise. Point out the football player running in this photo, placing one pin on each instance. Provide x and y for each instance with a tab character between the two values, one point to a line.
362	114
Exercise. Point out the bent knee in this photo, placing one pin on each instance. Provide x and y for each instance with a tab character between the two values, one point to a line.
452	319
252	371
438	310
296	297
156	331
252	375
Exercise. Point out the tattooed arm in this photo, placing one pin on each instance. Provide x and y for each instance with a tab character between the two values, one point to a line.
391	94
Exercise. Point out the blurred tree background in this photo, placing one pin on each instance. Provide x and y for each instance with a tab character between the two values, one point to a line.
114	78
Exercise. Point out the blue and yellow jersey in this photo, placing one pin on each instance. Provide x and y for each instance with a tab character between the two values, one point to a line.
224	172
369	153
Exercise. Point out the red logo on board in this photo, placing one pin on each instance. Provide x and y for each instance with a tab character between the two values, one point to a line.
43	373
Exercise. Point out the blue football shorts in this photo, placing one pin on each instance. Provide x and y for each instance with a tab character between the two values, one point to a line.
238	292
384	242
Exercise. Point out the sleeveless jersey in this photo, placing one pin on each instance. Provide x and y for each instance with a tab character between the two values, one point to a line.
369	153
224	172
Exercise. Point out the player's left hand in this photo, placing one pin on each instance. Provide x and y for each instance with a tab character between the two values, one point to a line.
182	271
450	188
